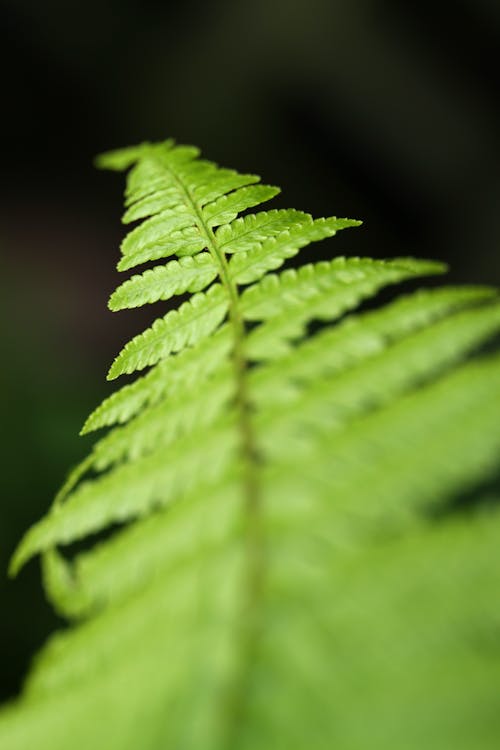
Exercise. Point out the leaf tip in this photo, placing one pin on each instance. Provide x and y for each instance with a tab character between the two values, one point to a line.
114	303
86	428
120	159
18	559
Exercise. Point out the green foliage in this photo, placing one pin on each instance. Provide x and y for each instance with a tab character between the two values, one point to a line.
286	562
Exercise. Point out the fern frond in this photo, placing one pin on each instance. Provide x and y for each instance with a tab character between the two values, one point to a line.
285	547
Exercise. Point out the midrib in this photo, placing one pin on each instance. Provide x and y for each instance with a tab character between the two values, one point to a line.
234	697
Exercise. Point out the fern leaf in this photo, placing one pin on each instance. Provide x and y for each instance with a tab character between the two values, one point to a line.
251	265
132	491
157	229
121	159
321	291
153	189
399	620
333	350
458	413
187	369
222	183
157	241
193	321
248	232
286	545
110	573
327	405
160	426
163	282
225	209
336	280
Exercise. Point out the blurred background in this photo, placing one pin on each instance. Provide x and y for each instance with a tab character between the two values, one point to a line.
374	109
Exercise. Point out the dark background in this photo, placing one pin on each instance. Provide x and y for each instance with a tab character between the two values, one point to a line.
375	109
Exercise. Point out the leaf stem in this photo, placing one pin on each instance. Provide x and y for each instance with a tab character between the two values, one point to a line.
234	694
254	547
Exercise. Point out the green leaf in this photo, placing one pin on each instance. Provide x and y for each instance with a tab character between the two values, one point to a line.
133	490
251	265
225	209
189	368
161	237
122	158
325	405
296	507
248	232
163	282
360	337
222	183
193	321
323	291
